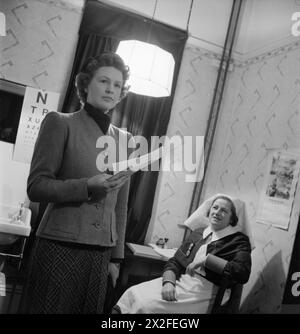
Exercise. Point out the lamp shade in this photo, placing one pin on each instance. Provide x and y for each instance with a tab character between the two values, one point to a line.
151	68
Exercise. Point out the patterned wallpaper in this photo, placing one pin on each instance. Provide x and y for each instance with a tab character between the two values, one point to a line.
41	39
260	112
189	116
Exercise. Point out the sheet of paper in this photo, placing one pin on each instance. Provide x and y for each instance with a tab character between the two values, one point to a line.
166	253
143	250
138	163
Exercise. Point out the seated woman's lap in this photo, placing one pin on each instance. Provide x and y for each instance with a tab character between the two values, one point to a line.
194	295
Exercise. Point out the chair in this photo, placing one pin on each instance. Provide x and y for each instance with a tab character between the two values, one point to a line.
233	304
198	220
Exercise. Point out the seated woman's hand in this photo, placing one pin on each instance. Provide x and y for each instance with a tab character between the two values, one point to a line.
113	272
169	292
101	184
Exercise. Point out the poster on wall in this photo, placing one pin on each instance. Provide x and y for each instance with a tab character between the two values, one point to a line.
37	103
278	194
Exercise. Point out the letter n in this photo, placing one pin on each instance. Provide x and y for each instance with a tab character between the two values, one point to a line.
43	98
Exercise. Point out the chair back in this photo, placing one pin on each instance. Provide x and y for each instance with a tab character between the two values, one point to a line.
233	304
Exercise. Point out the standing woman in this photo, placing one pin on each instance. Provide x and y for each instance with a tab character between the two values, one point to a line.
81	236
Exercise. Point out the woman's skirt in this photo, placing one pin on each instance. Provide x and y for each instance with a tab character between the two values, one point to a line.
66	278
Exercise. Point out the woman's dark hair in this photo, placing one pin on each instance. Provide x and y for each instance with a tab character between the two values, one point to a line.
234	218
84	77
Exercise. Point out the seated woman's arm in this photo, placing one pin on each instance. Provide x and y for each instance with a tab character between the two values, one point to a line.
172	271
238	268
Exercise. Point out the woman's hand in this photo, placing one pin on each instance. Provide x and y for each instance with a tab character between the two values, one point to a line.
101	184
169	292
113	272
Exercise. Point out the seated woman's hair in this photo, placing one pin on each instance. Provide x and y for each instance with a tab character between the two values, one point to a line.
92	64
234	218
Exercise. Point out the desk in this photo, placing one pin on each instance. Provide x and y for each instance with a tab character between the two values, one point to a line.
140	267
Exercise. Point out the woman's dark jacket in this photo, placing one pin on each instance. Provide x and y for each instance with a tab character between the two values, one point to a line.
234	248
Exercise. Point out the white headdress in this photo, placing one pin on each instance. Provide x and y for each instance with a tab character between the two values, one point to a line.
199	219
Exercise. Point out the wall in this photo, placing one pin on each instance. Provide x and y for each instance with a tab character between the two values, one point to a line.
206	20
260	111
40	43
37	51
189	116
39	48
13	175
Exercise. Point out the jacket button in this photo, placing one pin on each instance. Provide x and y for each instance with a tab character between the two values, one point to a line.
96	224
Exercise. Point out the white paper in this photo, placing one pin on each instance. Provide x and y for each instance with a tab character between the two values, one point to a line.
166	253
278	194
138	163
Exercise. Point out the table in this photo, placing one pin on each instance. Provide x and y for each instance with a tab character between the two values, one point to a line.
140	267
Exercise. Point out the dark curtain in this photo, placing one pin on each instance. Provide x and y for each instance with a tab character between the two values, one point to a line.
143	116
102	28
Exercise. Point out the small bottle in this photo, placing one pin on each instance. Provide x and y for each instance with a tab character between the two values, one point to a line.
161	242
20	214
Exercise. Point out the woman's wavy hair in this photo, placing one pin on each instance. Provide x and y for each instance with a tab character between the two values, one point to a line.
234	218
84	77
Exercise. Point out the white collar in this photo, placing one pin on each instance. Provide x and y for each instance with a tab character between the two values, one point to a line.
216	235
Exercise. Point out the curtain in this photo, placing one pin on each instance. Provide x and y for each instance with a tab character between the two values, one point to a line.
144	116
102	28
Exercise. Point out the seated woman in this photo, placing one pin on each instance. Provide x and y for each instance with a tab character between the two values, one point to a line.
187	284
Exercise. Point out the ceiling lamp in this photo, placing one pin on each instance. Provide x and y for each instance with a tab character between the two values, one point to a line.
151	68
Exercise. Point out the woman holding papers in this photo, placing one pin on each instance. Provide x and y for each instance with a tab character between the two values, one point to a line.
80	239
187	284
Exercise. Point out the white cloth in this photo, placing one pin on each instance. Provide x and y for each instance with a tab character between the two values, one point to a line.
195	295
199	219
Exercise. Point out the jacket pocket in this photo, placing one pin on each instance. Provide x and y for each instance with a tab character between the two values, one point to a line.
64	220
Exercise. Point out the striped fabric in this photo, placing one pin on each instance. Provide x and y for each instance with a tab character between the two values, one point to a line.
66	278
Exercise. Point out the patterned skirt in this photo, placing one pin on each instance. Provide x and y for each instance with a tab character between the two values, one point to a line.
66	278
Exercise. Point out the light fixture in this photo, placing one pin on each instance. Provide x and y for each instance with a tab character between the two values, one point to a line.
151	67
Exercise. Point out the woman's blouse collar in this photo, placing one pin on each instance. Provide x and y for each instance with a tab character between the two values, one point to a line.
216	235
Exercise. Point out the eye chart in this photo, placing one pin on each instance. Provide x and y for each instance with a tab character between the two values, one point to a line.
37	103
